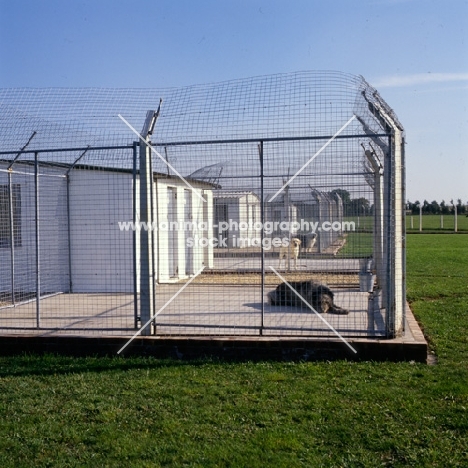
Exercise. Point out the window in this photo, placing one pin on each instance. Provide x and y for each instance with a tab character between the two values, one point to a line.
277	218
221	212
253	218
5	230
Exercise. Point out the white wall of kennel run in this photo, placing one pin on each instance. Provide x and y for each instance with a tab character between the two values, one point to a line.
319	149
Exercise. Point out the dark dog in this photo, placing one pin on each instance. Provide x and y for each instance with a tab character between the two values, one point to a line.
319	296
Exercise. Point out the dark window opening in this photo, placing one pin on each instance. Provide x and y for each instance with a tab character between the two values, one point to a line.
6	212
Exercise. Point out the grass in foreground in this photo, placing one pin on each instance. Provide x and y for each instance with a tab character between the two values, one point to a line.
58	411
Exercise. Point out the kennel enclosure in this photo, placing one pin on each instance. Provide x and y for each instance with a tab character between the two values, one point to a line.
120	207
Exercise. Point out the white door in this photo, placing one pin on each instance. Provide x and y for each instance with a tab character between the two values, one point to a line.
172	243
188	233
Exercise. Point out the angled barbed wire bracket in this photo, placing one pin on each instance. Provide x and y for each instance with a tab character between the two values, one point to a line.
20	152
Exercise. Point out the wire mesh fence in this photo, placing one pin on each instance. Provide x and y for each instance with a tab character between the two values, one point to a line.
270	206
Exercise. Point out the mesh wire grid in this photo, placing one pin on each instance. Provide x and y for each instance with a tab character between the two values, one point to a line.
264	161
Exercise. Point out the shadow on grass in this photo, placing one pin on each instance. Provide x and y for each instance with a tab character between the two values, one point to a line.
50	364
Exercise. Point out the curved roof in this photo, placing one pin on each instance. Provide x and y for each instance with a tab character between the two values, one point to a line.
292	105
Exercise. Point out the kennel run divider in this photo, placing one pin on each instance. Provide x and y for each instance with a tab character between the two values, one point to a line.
318	147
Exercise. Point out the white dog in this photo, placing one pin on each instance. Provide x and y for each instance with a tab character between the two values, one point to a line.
291	251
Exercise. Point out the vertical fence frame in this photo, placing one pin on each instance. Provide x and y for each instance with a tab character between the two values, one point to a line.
12	236
37	229
136	316
262	217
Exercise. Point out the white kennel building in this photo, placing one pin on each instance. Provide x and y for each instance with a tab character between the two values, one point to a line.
177	215
87	241
241	211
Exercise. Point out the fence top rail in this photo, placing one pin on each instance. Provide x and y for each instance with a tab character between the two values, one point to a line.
59	150
190	143
266	140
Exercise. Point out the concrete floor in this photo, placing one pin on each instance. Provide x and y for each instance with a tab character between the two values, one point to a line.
218	320
201	309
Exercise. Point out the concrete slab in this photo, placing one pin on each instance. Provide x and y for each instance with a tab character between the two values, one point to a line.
225	321
202	309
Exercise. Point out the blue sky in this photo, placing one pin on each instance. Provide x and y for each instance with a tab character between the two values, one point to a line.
415	52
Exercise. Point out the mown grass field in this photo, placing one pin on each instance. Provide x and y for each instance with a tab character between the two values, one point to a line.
358	244
435	223
60	411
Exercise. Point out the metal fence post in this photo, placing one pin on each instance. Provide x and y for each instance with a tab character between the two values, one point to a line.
378	221
38	263
403	232
134	238
153	241
146	261
389	277
70	282
456	219
262	219
399	241
12	237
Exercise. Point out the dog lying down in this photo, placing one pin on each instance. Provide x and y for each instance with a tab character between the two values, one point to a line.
319	296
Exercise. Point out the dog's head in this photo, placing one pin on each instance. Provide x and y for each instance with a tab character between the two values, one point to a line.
295	242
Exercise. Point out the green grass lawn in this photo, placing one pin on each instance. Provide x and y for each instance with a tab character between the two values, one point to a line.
59	411
358	244
361	223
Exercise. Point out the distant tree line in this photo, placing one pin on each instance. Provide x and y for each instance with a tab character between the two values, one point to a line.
436	208
354	206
